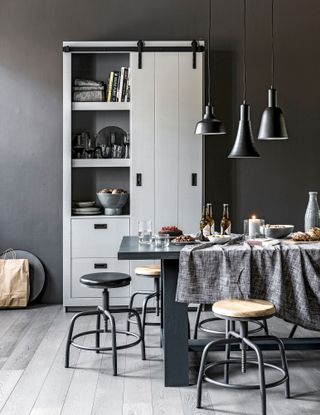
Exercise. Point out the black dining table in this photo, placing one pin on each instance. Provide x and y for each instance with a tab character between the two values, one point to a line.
176	342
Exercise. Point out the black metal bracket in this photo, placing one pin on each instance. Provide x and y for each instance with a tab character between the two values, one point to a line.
140	49
194	45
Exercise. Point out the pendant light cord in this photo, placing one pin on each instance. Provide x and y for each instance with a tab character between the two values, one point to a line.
244	51
272	43
209	66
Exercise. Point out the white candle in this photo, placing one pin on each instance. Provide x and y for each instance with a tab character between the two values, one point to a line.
254	227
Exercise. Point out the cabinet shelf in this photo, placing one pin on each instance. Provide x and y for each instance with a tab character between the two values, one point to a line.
100	216
101	106
101	163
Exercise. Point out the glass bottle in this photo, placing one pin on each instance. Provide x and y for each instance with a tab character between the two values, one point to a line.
203	224
210	219
311	218
225	224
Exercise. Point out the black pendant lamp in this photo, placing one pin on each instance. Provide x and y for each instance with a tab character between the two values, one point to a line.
244	144
209	125
273	125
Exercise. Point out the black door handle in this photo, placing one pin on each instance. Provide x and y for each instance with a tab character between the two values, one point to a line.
194	179
139	179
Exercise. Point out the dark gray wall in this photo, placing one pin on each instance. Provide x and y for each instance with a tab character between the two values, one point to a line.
31	34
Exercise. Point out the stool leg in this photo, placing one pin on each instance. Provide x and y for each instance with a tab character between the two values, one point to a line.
141	333
114	341
69	338
196	324
262	380
144	310
227	354
201	373
265	327
283	362
98	330
205	352
157	286
130	306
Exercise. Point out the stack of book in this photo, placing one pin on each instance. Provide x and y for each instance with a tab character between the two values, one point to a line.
85	90
119	86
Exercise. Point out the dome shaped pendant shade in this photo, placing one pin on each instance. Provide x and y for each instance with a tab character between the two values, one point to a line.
244	145
273	125
209	125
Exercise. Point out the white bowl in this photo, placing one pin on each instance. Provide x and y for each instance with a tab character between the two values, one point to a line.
113	203
278	231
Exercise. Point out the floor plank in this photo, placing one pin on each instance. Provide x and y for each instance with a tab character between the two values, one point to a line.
26	391
56	385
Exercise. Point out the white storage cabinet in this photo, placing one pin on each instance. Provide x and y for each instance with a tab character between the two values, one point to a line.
166	102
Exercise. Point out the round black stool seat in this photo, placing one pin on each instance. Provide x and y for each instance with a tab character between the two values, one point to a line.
106	280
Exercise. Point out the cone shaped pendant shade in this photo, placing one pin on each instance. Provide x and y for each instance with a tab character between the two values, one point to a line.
273	125
244	145
209	125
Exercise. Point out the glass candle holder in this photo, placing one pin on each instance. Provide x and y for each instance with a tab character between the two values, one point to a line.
254	228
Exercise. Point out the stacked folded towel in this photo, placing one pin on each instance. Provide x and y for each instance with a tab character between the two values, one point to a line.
87	90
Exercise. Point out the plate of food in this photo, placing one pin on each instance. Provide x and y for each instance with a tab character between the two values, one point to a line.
184	240
311	236
172	231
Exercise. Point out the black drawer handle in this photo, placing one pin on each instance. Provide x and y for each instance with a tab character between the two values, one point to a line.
100	226
194	179
100	266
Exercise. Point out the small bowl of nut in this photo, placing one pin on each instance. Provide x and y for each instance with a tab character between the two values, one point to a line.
278	231
113	200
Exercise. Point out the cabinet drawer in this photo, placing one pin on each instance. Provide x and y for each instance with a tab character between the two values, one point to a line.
97	237
82	266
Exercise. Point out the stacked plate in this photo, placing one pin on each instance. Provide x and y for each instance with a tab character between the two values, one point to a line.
85	208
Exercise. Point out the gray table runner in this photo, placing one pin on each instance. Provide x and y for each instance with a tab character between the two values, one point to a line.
286	275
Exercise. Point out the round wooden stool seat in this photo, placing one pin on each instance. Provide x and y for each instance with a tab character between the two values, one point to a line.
149	270
254	309
106	280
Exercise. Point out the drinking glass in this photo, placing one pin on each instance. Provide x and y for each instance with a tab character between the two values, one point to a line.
78	146
145	232
162	240
90	147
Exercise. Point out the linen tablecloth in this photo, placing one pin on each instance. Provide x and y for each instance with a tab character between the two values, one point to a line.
286	275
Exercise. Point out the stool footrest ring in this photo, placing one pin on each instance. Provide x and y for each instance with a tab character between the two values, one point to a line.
243	386
105	349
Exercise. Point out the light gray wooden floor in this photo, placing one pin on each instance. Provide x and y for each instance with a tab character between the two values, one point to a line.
33	379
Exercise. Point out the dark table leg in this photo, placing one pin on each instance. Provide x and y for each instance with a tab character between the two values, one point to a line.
175	329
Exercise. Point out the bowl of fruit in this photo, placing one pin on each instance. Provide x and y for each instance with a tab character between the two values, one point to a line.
113	200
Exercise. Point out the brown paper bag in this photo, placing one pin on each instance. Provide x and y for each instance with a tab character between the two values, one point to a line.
14	282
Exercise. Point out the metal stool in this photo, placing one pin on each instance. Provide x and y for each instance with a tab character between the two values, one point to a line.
105	281
243	311
200	325
153	271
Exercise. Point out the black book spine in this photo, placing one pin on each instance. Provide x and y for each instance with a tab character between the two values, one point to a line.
115	86
125	83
